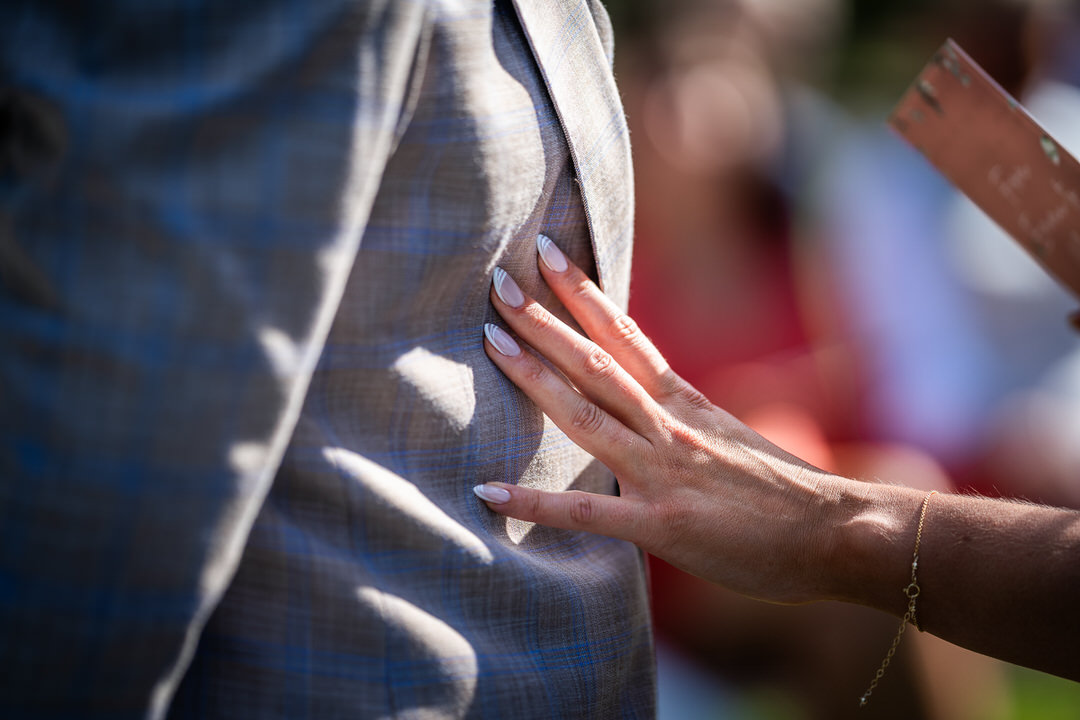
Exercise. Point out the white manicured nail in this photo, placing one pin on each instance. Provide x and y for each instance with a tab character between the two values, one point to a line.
491	493
507	290
550	254
501	340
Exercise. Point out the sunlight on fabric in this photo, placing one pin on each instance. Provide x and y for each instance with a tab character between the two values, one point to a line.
442	384
282	353
433	642
402	498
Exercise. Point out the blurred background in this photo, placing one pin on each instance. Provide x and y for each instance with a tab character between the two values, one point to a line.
815	276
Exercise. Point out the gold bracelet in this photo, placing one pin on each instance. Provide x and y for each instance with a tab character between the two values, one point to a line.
912	593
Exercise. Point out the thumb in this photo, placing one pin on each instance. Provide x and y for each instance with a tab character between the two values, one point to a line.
571	510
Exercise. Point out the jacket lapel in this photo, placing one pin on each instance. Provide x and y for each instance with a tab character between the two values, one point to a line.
575	64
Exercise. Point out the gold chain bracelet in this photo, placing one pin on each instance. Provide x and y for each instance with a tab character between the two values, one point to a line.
912	593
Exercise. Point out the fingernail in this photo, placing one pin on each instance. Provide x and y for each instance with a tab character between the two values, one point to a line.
501	340
550	254
491	493
507	290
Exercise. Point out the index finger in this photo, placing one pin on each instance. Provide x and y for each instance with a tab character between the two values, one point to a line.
606	323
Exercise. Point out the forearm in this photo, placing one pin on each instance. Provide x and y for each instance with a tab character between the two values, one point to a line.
1001	578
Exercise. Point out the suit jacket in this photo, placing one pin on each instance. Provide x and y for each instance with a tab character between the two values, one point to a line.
246	255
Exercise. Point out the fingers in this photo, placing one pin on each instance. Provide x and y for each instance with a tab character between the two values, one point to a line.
573	510
588	366
610	327
584	422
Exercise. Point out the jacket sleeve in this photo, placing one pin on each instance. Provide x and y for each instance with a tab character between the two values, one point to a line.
183	187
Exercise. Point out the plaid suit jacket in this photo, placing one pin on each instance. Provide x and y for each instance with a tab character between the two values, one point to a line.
245	252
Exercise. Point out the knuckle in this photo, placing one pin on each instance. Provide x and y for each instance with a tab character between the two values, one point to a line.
582	288
694	397
582	509
671	385
587	418
598	363
542	320
678	432
623	327
625	331
535	372
534	505
666	424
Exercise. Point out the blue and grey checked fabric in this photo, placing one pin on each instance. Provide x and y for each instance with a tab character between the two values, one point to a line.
245	253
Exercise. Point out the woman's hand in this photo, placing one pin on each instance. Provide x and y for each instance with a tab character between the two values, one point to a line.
704	492
698	488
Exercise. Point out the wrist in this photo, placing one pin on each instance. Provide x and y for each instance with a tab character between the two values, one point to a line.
871	533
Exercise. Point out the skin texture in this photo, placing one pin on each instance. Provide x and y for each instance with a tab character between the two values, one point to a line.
704	492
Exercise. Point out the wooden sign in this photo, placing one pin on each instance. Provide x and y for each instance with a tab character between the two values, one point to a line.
990	148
